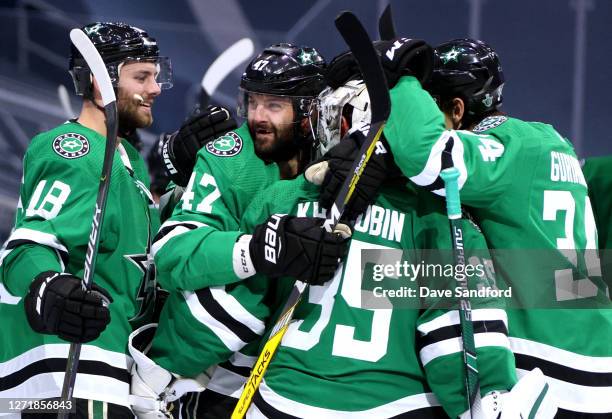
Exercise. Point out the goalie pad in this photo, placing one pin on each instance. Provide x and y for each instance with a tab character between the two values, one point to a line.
529	398
153	387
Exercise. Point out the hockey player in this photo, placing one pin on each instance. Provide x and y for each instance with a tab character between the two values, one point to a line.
527	191
201	246
42	263
320	371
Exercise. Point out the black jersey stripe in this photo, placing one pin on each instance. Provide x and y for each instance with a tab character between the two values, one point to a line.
12	244
242	371
570	414
454	331
564	373
59	365
422	413
215	309
164	231
447	161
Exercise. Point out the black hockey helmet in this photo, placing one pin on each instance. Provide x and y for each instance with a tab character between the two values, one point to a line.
284	70
468	69
117	43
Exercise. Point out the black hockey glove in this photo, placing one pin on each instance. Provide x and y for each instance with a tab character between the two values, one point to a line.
179	149
56	304
341	69
298	247
403	56
336	166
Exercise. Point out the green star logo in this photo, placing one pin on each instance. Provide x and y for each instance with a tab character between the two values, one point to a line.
306	57
224	143
227	145
71	145
451	55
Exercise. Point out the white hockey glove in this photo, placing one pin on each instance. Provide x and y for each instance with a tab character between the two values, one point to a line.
153	387
529	398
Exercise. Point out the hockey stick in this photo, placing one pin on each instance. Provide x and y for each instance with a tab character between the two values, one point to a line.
223	65
62	94
386	28
453	209
361	46
99	71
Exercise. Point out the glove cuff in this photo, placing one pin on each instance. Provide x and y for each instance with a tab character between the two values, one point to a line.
241	257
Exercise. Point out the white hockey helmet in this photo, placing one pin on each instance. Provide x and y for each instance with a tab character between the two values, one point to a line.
330	106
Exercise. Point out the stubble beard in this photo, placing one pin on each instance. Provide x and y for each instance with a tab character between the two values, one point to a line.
129	116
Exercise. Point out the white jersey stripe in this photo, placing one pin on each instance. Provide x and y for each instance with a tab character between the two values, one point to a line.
290	407
451	318
577	398
237	310
229	339
455	345
561	356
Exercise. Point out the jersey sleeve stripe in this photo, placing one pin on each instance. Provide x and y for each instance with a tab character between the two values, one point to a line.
455	345
438	158
28	236
230	304
172	229
229	337
449	332
220	304
451	318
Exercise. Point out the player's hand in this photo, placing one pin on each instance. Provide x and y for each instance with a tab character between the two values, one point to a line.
331	173
179	149
341	69
298	247
403	56
57	304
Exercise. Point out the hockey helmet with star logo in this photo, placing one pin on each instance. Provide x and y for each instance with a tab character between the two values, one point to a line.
284	70
468	69
118	44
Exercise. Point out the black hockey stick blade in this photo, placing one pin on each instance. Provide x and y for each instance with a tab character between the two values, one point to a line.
359	42
94	61
386	28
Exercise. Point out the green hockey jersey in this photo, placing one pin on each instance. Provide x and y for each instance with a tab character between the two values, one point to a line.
61	173
193	248
598	174
527	191
339	357
194	251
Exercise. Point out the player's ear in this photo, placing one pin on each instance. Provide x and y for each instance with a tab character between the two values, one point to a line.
458	110
344	126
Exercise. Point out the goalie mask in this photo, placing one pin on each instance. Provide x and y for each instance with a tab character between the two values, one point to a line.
351	101
118	44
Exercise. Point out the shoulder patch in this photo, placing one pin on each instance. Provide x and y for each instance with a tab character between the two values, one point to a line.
227	145
71	145
490	122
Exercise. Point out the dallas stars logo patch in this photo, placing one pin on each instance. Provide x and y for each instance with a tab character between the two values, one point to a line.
227	145
71	145
490	122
